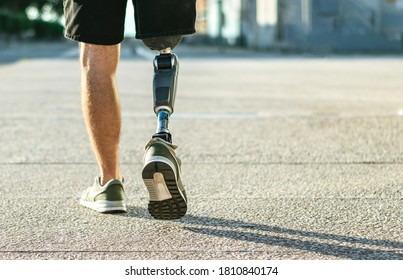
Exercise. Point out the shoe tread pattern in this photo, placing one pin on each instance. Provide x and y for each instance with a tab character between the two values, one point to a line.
169	209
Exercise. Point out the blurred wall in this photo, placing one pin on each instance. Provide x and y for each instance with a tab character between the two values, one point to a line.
223	20
259	23
343	25
304	25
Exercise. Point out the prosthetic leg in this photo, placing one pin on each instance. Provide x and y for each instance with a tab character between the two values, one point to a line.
162	167
166	67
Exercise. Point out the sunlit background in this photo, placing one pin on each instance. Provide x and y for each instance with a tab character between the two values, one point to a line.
291	25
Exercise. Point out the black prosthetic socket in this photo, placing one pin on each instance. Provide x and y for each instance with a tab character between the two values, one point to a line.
161	43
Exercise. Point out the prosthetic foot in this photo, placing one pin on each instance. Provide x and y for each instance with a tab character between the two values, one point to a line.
161	171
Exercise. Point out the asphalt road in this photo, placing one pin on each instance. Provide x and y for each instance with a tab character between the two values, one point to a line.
284	157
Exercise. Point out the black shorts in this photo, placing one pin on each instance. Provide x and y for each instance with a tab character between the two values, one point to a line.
101	22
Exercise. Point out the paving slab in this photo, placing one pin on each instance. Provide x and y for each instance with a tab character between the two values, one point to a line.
283	158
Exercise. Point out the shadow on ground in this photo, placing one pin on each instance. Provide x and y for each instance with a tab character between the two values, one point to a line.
339	246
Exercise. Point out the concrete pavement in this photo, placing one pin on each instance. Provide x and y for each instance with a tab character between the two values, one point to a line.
283	158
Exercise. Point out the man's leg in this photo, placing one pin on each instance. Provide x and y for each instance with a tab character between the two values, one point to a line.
99	26
101	107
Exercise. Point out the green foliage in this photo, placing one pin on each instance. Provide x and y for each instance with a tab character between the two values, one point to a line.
22	5
47	30
14	21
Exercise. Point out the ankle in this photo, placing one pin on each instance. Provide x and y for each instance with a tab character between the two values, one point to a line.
107	177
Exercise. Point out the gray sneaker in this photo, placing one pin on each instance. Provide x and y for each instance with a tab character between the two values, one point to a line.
104	199
161	175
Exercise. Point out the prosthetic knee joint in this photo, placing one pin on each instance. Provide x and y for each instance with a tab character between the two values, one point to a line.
166	67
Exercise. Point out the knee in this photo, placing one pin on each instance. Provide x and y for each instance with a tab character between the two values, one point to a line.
98	58
161	43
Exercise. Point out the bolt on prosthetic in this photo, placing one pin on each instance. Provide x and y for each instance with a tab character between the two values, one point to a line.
166	67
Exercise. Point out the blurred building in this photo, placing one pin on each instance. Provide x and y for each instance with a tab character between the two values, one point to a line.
218	21
341	25
259	23
375	25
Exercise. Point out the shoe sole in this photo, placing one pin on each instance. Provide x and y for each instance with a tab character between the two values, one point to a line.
167	202
105	206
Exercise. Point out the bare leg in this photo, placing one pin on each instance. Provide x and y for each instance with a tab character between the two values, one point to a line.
101	107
